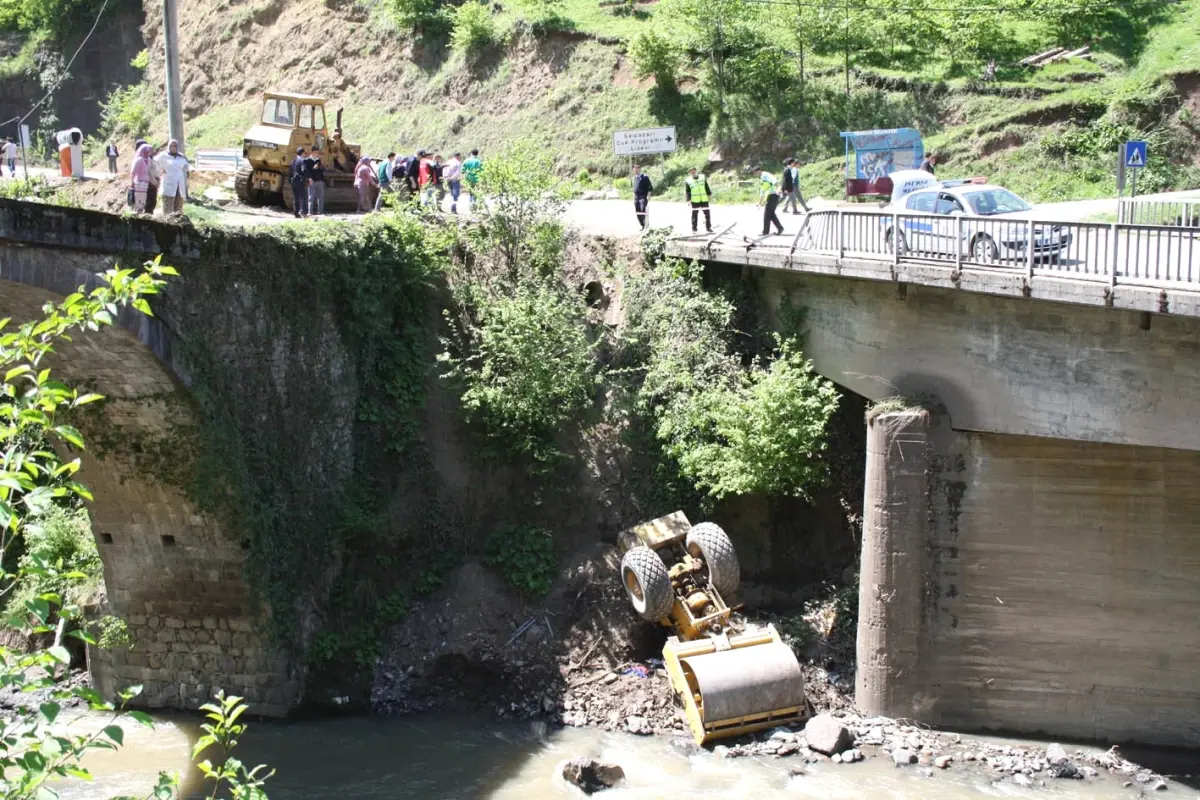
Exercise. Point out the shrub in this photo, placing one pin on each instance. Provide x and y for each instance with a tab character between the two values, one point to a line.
525	360
128	110
758	435
61	538
657	56
429	16
474	30
524	556
729	428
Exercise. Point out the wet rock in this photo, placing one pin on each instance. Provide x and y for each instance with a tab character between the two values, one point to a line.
826	734
797	771
903	757
1159	785
1066	769
1021	779
591	775
1056	755
721	751
638	725
942	762
852	755
782	735
788	748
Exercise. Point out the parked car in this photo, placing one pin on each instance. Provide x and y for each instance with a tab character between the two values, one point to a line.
985	223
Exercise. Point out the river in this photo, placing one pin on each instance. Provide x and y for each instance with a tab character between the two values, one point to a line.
443	757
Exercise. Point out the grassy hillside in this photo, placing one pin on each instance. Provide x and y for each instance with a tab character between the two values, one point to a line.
1049	133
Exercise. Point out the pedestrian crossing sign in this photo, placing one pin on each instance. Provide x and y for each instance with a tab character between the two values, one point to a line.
1135	154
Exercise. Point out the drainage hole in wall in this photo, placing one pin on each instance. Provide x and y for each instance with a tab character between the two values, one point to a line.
168	540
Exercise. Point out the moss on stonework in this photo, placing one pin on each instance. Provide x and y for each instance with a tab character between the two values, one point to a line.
305	350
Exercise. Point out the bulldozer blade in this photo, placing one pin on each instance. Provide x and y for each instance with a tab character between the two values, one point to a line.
748	687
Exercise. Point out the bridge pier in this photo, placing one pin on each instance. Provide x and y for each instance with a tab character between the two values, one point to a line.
893	564
1029	584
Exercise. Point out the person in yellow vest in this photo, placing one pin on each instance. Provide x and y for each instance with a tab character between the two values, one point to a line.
698	194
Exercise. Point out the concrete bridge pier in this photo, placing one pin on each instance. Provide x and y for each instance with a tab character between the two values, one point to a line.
893	563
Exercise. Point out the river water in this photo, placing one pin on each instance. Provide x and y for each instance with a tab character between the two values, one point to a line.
443	757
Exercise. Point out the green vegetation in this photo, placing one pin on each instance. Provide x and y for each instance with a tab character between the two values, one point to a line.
128	112
519	346
474	30
524	556
34	484
729	428
58	543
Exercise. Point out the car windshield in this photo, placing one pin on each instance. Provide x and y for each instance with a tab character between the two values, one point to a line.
995	201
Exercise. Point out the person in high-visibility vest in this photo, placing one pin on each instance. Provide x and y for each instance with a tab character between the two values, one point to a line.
698	194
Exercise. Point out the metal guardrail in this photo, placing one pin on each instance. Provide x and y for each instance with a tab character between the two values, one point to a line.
1185	213
1116	252
218	160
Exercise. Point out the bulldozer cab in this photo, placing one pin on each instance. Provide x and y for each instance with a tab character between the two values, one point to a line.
287	121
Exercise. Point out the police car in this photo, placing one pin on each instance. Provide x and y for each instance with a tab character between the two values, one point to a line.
929	220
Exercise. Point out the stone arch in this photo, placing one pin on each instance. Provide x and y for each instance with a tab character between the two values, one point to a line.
170	572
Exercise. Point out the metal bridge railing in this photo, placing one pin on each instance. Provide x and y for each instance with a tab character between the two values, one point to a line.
1185	213
1082	250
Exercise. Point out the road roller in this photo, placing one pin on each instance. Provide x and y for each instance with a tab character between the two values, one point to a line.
730	677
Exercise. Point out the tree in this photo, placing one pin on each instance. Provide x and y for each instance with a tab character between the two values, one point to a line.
717	30
33	479
656	55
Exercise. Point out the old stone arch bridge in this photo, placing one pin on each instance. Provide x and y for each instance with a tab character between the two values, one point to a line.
171	573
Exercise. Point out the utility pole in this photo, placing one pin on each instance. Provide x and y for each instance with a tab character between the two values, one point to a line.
174	102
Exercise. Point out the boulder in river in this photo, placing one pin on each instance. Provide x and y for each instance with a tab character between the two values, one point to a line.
591	775
903	757
1055	754
826	734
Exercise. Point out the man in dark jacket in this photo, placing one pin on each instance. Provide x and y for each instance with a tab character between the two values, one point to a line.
413	172
929	163
298	178
316	183
642	189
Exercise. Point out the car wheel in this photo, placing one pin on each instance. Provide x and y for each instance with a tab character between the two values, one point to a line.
900	241
984	250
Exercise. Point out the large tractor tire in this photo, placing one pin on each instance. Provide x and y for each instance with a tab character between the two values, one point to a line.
647	583
711	544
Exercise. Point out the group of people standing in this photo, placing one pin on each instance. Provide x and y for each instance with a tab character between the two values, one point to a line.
698	195
157	177
424	176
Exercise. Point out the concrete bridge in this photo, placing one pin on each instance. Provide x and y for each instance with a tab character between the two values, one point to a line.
1031	553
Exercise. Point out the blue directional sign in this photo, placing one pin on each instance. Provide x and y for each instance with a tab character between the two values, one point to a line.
1135	155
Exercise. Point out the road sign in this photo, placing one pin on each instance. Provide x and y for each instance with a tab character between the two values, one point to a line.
25	141
1135	155
644	141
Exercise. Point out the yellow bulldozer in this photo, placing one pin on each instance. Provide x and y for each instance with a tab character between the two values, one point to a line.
730	677
289	121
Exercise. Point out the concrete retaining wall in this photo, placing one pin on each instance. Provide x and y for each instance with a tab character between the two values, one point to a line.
1058	589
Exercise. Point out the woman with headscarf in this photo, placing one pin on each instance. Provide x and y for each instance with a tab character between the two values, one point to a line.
173	168
364	179
139	177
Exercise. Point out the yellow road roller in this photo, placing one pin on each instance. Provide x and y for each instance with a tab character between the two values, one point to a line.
730	677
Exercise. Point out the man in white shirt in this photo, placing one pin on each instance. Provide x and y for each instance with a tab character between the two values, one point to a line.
10	156
173	169
452	174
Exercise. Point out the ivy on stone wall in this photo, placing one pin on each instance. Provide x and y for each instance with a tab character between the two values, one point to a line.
306	349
